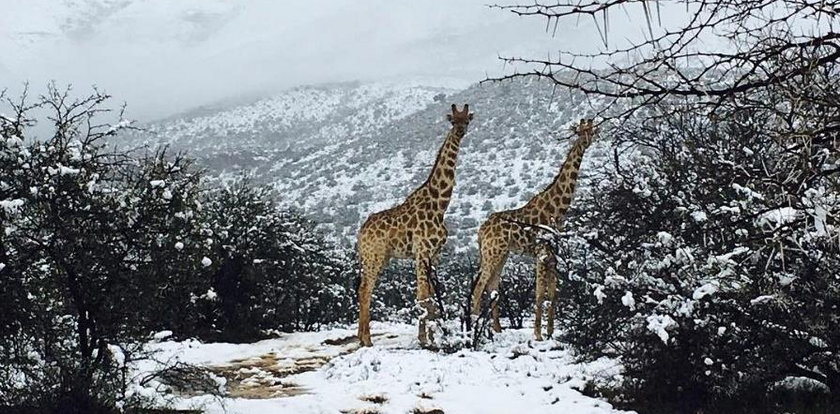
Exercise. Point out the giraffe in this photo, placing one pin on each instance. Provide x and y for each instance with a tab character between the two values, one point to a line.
521	230
412	230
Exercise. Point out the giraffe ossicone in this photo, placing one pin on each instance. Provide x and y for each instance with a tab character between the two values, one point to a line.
523	230
413	229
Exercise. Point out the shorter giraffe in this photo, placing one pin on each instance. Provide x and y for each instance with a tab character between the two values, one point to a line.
412	230
523	231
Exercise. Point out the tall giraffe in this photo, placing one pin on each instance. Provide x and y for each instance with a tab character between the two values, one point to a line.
412	230
521	231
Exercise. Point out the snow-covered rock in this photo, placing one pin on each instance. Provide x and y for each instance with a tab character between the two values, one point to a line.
659	324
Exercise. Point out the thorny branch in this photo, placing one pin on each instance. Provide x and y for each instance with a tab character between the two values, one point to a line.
725	48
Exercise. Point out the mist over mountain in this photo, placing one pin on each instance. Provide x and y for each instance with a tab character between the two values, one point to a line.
164	57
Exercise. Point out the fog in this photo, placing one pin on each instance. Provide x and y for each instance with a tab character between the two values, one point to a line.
166	56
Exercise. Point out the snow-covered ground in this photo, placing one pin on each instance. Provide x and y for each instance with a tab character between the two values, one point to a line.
326	372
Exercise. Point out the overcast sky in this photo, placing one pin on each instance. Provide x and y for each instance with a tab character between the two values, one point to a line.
164	56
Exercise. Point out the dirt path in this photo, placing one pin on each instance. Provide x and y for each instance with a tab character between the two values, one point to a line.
265	376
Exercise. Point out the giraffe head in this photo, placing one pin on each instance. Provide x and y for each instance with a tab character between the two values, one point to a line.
585	129
460	119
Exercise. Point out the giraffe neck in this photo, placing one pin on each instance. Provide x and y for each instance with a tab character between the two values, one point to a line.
549	207
438	187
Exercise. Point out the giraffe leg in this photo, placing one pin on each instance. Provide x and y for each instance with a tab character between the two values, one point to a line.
435	311
493	286
480	284
497	326
489	279
372	264
538	301
425	297
491	263
551	292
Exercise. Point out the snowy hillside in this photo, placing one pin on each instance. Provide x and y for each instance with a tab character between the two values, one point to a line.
340	152
320	372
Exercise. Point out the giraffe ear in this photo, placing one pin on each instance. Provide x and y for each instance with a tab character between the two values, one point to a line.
449	117
471	116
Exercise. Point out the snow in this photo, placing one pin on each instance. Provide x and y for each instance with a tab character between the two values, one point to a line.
726	259
684	255
777	217
210	294
179	246
511	374
118	354
599	294
786	279
627	300
659	325
762	299
122	124
664	238
162	335
699	216
206	261
11	206
749	192
819	206
820	220
64	170
157	183
705	290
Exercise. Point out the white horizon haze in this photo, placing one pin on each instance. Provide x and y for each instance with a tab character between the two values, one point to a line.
167	56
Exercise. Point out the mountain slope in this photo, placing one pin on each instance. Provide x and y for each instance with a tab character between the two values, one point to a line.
340	152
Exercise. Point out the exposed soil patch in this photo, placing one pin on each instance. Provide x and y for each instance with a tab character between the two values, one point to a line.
263	376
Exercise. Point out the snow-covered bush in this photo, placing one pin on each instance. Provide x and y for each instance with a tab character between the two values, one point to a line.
80	227
516	300
268	269
100	247
708	257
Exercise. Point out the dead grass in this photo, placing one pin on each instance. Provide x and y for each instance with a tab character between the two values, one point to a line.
376	399
427	411
366	410
347	340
